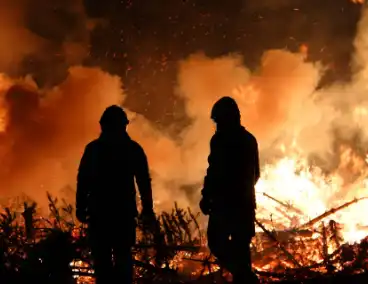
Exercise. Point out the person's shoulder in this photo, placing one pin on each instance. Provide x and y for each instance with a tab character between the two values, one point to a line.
249	137
93	145
215	138
136	147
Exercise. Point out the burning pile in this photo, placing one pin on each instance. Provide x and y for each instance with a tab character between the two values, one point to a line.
305	193
307	229
177	250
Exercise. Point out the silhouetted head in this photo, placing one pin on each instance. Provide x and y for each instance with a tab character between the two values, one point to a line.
225	112
114	120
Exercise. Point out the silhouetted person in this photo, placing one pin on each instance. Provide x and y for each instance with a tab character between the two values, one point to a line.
106	196
228	194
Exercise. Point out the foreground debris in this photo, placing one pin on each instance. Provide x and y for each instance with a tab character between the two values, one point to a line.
54	249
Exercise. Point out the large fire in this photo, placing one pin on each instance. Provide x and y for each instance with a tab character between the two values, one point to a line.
310	193
43	132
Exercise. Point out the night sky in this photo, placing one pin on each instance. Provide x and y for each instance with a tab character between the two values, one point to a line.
144	39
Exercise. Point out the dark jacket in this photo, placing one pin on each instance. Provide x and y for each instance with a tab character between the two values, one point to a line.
106	175
233	171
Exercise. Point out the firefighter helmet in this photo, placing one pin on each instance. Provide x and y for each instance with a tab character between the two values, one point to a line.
114	115
225	110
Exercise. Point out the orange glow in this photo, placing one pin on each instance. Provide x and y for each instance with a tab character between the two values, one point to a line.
303	49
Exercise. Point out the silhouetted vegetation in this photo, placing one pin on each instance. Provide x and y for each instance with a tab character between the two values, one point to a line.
55	249
43	249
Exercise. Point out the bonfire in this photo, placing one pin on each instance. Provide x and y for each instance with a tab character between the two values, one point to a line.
309	224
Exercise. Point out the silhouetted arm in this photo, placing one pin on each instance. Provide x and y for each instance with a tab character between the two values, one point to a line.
210	178
84	177
143	180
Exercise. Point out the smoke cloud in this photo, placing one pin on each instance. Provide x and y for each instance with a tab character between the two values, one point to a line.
37	36
46	129
16	41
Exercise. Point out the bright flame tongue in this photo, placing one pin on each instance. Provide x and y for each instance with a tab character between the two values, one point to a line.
292	193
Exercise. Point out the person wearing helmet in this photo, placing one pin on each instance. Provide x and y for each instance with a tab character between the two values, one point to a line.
106	196
228	194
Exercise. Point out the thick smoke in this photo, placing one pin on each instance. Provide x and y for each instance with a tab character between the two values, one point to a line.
37	36
46	129
16	41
